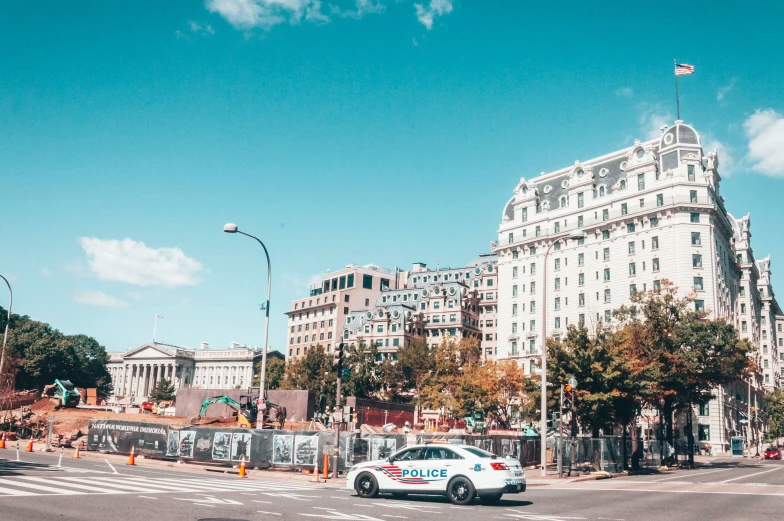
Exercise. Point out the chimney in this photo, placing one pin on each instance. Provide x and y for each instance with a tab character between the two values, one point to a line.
419	267
204	345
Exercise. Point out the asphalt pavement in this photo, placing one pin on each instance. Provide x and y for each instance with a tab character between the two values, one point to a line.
90	489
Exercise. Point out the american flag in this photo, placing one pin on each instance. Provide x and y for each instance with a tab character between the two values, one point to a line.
682	69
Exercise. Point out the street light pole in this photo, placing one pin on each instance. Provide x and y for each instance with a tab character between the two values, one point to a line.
232	228
577	234
7	324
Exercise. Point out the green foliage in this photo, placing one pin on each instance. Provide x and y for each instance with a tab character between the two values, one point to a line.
276	372
773	409
41	353
410	375
313	372
365	374
163	390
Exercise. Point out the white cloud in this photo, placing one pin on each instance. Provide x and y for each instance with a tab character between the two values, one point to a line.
653	118
99	299
426	15
624	92
199	28
133	262
765	130
361	8
247	14
46	272
293	282
725	90
725	152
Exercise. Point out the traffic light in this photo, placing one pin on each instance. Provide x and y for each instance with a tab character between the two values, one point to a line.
568	397
339	357
346	373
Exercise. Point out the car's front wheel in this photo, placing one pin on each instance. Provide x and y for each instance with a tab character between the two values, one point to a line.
366	485
460	491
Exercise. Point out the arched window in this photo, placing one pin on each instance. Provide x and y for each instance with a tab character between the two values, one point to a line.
601	191
623	184
563	201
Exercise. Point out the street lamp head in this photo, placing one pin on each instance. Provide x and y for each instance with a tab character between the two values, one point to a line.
577	234
573	382
230	228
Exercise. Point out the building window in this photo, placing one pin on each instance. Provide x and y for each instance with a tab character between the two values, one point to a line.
557	246
532	306
581	279
632	269
696	260
601	191
579	221
514	347
514	272
581	319
655	243
367	281
703	432
580	200
659	199
532	288
622	184
345	311
605	214
695	239
524	214
695	217
607	315
558	283
557	323
641	182
557	303
346	298
514	310
533	268
743	308
532	250
607	296
563	201
699	305
515	254
514	290
538	231
557	264
606	254
690	170
581	299
350	280
511	238
693	196
631	248
532	346
514	327
698	284
606	274
580	259
605	234
642	203
656	285
744	326
624	209
342	282
557	228
704	409
630	228
654	222
655	264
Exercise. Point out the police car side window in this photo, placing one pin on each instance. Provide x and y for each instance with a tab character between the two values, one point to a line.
448	454
409	455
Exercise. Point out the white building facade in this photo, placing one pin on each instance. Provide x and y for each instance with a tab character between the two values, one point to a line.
135	372
650	212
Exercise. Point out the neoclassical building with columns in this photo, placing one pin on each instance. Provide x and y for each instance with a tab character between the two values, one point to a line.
136	371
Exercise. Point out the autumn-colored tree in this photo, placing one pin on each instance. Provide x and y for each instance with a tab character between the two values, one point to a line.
409	376
313	372
511	387
451	359
364	371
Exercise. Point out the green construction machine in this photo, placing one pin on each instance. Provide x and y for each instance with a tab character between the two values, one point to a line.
476	424
247	411
63	393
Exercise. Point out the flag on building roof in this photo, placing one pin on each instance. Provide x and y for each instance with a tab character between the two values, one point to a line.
682	69
158	317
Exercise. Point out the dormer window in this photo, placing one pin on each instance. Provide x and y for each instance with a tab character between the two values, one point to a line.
623	184
601	191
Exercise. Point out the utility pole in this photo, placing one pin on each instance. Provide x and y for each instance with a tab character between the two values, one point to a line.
572	391
559	447
337	412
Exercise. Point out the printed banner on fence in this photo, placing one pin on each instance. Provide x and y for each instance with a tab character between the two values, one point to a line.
118	436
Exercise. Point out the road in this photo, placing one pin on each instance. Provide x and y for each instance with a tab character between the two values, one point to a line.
89	490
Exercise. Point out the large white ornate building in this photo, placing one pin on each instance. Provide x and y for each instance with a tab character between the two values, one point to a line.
136	371
649	212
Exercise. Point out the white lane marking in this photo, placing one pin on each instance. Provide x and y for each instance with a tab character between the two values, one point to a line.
40	487
397	517
295	497
409	507
750	475
334	514
719	492
114	470
690	475
530	515
337	497
209	501
270	513
14	492
257	501
80	486
148	497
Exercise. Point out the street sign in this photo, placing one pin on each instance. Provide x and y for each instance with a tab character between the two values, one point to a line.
337	414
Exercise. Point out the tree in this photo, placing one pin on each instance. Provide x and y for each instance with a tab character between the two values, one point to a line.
162	391
773	409
313	372
451	360
276	372
511	389
410	375
364	372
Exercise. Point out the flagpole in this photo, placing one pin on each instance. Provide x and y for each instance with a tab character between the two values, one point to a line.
677	99
154	329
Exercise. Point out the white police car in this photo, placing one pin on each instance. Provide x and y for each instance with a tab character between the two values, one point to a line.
461	472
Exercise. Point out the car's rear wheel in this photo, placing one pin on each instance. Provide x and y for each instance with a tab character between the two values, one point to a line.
366	485
460	491
491	499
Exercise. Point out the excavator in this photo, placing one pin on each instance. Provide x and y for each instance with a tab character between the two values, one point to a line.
476	423
63	393
247	411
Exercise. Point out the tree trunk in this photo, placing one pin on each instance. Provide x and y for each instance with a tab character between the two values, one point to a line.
635	445
690	434
596	443
623	441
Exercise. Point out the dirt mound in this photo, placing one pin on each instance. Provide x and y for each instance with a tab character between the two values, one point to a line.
42	406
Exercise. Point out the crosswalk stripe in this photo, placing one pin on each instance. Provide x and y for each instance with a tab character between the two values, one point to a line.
80	486
111	485
14	492
179	484
40	487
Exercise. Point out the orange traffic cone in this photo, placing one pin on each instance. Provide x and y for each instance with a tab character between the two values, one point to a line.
132	457
29	446
76	454
243	474
2	442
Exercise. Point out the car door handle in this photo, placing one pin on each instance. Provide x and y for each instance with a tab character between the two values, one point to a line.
447	464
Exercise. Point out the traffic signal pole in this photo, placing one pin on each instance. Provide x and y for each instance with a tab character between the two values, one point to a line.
559	447
335	422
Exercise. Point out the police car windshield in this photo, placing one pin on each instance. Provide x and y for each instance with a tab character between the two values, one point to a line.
479	452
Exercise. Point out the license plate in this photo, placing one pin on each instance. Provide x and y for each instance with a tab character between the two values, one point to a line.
518	473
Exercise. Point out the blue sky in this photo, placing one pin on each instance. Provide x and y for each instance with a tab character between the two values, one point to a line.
338	132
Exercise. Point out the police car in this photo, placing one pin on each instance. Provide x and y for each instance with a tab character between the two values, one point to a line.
461	472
